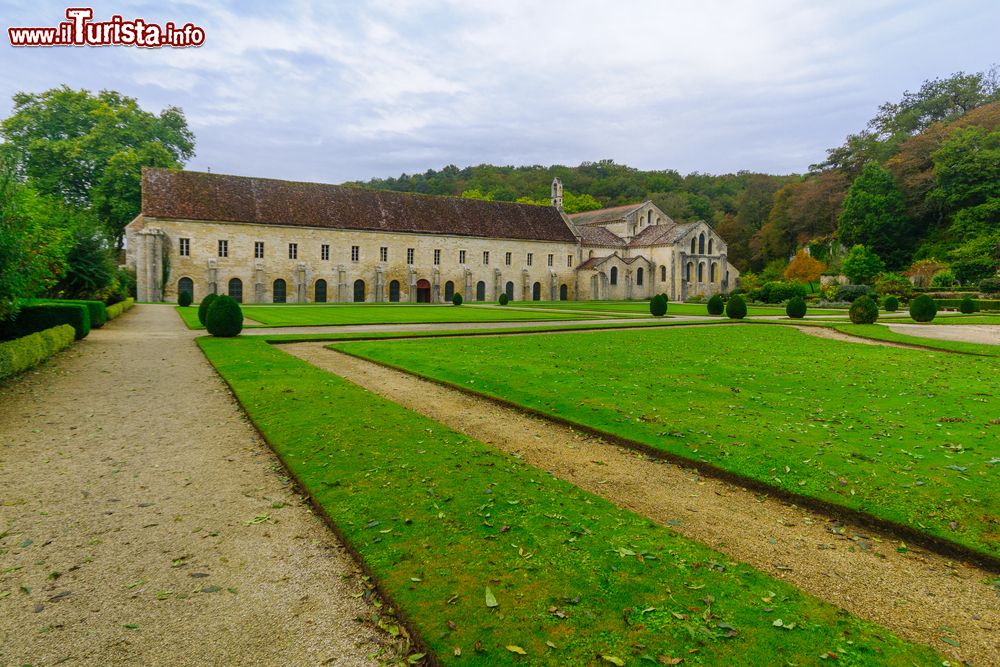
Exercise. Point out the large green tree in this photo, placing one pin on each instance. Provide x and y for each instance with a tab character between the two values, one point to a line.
862	265
89	149
873	215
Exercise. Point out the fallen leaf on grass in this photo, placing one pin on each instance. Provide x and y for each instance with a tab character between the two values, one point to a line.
516	649
613	660
781	624
491	600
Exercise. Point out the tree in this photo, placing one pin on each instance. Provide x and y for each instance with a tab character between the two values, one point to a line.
873	215
862	265
923	270
90	265
804	268
88	149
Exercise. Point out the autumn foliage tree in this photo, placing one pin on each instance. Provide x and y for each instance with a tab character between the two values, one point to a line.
804	268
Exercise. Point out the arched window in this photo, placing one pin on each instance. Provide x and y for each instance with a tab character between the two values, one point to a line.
638	276
711	242
692	246
689	272
563	292
185	285
236	289
701	244
393	291
481	291
359	291
590	255
701	272
713	272
320	291
279	291
614	275
649	217
449	290
509	290
536	291
663	273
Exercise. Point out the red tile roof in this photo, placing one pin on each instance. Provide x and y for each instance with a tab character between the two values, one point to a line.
600	236
200	196
603	214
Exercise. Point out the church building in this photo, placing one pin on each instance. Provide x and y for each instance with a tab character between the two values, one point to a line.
270	241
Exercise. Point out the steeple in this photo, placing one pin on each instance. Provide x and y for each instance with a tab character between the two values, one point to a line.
557	193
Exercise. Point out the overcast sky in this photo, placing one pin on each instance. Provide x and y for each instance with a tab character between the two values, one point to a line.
335	91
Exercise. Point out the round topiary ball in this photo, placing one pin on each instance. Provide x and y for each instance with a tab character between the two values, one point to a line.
716	306
658	306
204	306
225	317
968	306
796	308
891	304
184	299
864	310
456	299
923	308
736	308
504	299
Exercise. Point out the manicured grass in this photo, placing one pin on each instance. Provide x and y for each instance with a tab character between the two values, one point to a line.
445	522
342	314
906	436
880	332
673	308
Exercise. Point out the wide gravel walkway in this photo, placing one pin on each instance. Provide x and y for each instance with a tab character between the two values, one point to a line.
143	522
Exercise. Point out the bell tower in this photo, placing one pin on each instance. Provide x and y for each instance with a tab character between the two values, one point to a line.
557	193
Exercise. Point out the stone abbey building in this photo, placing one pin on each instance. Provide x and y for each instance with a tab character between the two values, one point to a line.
269	241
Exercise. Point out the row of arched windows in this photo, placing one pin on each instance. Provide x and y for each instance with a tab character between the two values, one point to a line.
713	272
279	290
639	275
698	245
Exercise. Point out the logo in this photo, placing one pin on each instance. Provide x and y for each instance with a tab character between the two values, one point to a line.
81	30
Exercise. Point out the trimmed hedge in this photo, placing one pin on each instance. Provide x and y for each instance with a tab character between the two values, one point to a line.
852	292
36	317
990	285
658	306
203	307
980	304
716	306
225	317
891	304
736	308
968	306
796	308
98	311
20	354
120	307
923	308
504	299
863	310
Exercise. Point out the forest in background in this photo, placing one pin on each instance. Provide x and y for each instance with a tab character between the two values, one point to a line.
919	186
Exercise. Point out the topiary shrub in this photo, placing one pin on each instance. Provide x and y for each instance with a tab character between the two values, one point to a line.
796	308
41	316
225	317
456	299
736	308
715	305
658	306
864	310
203	307
967	306
923	308
504	299
184	299
98	311
990	285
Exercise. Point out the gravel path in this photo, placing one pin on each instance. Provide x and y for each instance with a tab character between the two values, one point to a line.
988	334
921	596
143	522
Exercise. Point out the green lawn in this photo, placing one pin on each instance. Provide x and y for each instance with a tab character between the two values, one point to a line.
673	308
489	557
340	314
909	436
880	332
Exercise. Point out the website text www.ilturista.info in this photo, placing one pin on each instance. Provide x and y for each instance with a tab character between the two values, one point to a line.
81	30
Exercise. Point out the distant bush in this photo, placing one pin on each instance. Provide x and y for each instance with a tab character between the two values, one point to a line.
203	307
117	309
456	299
981	304
895	284
990	285
658	306
98	311
36	317
863	310
736	308
923	308
715	305
851	292
943	278
184	299
22	353
796	308
225	317
891	304
779	292
967	306
504	299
